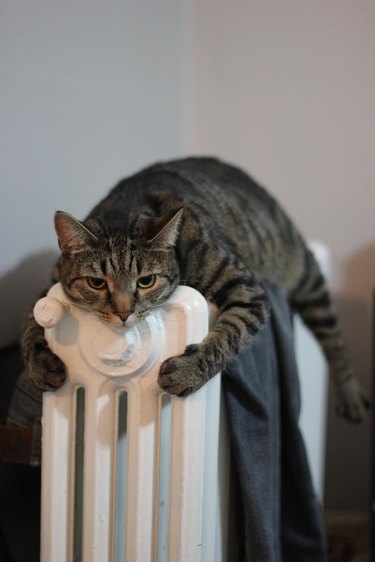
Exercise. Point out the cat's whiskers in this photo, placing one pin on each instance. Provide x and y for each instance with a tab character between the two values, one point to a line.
187	276
84	307
98	313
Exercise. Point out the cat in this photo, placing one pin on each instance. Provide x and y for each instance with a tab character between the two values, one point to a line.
203	223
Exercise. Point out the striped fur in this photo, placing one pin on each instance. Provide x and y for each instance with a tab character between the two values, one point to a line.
206	224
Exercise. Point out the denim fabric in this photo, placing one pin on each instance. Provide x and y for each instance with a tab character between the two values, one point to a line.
280	519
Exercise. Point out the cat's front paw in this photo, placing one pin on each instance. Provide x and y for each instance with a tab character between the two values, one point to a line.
184	374
352	400
44	368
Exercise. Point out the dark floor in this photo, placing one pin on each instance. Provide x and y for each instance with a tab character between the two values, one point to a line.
348	538
19	513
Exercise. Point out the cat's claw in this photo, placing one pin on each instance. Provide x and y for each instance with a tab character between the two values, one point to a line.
45	369
184	374
352	400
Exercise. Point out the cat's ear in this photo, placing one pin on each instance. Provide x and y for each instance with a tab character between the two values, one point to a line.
72	234
165	229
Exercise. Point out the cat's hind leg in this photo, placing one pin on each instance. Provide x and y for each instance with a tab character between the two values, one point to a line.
311	299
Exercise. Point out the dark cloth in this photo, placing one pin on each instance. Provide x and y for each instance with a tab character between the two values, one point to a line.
280	519
26	404
20	438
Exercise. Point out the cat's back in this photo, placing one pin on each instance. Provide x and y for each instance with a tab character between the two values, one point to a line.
232	198
190	179
214	179
205	186
245	215
221	203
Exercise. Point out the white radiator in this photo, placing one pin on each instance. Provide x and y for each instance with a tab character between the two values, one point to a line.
313	374
129	473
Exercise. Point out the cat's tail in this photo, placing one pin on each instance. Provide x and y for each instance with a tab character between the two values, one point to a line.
311	299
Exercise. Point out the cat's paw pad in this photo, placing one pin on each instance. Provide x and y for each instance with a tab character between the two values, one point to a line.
184	374
352	400
45	369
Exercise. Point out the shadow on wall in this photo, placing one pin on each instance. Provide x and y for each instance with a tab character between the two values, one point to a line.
19	288
348	477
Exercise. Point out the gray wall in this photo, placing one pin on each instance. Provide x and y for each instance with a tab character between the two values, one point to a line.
90	91
287	90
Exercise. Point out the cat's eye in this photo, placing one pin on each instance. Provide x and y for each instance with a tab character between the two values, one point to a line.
96	283
146	282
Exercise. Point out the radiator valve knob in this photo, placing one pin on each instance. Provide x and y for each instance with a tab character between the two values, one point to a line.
48	312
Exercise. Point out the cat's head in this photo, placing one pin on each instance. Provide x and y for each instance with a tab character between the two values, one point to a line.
120	274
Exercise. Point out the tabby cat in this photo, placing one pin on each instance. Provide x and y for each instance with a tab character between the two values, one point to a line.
203	223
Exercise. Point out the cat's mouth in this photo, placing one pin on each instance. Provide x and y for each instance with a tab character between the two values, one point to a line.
117	321
130	321
122	321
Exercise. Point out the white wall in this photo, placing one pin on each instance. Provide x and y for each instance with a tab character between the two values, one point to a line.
287	90
90	91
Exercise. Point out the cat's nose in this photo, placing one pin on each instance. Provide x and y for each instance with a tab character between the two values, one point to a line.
123	315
